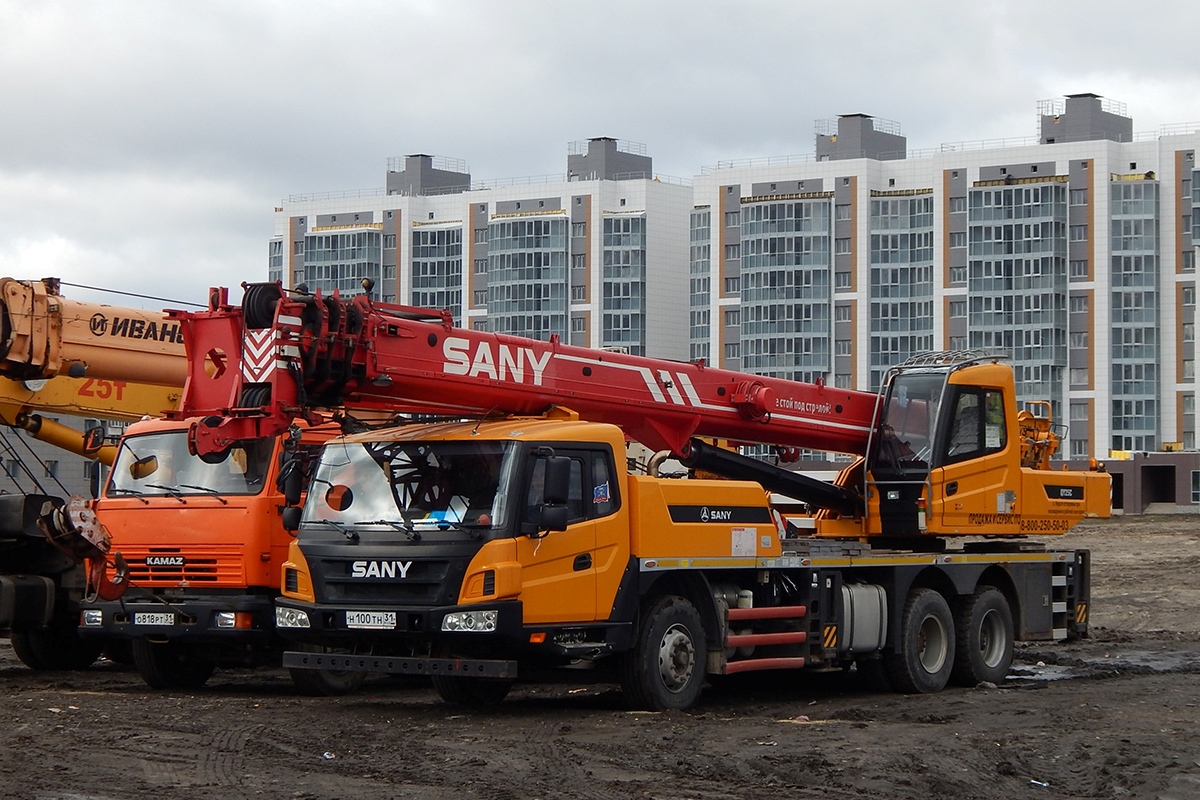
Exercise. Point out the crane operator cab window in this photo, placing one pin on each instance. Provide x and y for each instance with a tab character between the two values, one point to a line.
977	426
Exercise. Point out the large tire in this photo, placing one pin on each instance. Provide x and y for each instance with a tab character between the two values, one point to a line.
983	626
170	665
56	648
924	652
325	682
460	690
665	668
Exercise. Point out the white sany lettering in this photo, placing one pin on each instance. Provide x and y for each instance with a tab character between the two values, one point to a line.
539	365
512	366
484	363
454	348
508	364
380	569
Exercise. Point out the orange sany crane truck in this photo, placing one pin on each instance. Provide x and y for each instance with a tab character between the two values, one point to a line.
482	551
201	544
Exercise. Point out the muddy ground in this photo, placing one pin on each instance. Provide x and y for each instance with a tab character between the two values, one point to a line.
1114	716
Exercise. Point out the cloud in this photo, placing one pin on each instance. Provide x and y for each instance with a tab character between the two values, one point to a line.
145	143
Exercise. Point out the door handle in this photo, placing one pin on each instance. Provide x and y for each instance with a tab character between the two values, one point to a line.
583	562
951	488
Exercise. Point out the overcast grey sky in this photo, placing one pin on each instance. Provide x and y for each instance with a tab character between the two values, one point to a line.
143	145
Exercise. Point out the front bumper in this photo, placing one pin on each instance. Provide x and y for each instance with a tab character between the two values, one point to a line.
199	620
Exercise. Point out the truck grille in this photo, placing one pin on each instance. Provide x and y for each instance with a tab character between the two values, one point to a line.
172	566
426	583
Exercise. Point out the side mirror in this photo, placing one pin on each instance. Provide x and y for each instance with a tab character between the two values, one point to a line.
339	497
292	487
93	440
557	487
143	468
552	518
291	518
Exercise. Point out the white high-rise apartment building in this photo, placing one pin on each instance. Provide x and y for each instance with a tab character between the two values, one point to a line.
1070	252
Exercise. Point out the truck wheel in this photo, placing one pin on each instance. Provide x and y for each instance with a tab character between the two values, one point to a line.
665	668
924	654
325	682
170	665
462	691
983	626
55	649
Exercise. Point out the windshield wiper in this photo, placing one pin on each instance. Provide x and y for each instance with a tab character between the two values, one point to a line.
405	527
171	490
139	495
206	490
350	534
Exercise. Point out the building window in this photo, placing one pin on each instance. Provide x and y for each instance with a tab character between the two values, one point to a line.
841	380
51	469
298	248
841	246
1079	197
1079	340
733	285
733	219
1079	233
12	467
841	313
733	350
578	230
480	296
578	324
1187	261
841	280
1188	293
1079	269
1079	376
842	347
481	235
733	251
958	204
1189	403
481	266
1189	369
958	239
1079	448
841	212
958	275
578	293
958	343
733	316
1078	304
389	241
958	308
1189	331
579	261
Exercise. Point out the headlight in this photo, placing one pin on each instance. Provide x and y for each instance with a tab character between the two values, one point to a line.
92	618
482	621
291	618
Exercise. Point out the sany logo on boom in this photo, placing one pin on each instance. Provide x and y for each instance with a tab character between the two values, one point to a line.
508	363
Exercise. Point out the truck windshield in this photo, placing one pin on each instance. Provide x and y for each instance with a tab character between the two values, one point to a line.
910	422
159	464
414	486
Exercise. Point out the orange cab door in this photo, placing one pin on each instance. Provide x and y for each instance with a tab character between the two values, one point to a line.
977	481
558	571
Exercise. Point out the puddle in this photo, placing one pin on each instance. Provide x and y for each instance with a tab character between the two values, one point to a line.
1110	663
